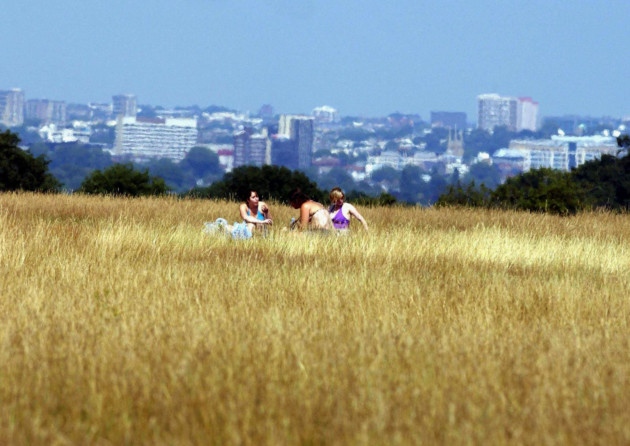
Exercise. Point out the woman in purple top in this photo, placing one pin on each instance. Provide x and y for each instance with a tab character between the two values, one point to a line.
342	211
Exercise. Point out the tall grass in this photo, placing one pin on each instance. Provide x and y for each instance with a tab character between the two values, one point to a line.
122	323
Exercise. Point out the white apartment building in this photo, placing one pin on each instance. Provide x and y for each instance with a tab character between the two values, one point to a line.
146	138
12	107
527	115
516	114
495	111
563	152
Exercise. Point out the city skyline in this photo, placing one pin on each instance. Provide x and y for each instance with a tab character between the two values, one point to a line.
364	58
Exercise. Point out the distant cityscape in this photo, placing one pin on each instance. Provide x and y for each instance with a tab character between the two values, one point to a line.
323	141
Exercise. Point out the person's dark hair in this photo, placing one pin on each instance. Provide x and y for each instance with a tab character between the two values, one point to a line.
298	197
246	194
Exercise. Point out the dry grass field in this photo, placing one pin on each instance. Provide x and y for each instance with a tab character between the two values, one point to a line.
121	322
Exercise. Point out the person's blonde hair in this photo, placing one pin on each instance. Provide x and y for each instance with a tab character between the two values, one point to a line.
336	194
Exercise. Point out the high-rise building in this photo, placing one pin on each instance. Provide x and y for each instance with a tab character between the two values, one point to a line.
302	129
284	152
146	138
299	129
514	113
252	149
241	139
125	105
45	111
12	107
527	115
496	111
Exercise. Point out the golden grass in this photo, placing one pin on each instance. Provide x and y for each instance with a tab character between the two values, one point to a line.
122	323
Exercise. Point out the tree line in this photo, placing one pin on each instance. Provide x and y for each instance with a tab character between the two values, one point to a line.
598	184
602	183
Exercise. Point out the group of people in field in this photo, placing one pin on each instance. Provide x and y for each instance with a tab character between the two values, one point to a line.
313	216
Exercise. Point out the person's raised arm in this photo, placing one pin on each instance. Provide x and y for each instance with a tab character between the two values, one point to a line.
353	211
266	212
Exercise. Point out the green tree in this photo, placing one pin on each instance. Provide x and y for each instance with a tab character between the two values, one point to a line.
39	148
28	135
480	140
71	163
271	182
606	181
623	141
385	199
123	179
337	176
202	163
436	140
540	190
172	173
465	195
386	176
476	141
482	173
599	181
501	137
103	134
19	170
432	190
363	199
411	184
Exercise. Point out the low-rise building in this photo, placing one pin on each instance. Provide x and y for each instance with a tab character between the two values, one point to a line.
78	132
564	152
145	138
510	162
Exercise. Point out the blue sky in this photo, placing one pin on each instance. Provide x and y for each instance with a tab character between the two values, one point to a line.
364	57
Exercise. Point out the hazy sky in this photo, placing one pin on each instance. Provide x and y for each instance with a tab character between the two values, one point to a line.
363	57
